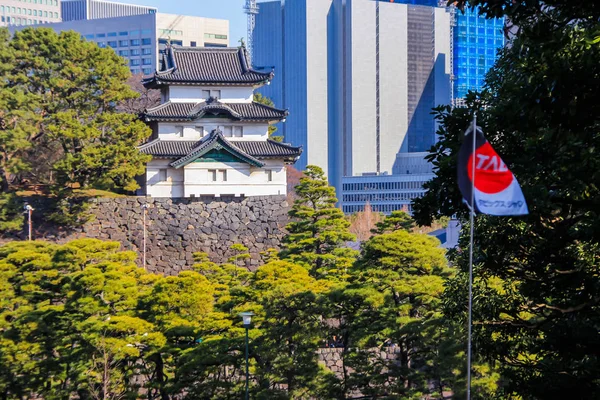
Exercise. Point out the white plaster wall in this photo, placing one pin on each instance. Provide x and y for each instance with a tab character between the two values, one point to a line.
187	94
242	179
316	83
393	53
172	187
363	85
171	131
194	179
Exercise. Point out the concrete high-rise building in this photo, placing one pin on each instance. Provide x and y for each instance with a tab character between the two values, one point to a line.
23	13
139	38
293	38
359	78
73	10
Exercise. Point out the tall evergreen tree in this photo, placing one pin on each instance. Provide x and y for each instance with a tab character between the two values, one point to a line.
536	287
318	232
59	98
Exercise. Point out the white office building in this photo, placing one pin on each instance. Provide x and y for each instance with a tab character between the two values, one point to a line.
23	12
359	77
384	192
140	38
209	137
73	10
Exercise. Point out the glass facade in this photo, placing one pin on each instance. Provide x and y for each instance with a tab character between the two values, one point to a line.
476	44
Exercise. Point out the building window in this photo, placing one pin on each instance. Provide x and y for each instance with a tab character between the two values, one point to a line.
147	71
269	175
238	131
179	131
135	42
214	36
100	35
223	173
162	175
122	53
113	44
193	44
123	43
135	52
146	31
134	33
147	61
102	44
205	94
146	52
111	34
227	131
212	175
215	94
123	33
146	41
134	62
89	36
134	71
200	130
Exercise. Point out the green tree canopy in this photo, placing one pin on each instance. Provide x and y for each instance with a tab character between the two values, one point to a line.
58	97
536	303
318	231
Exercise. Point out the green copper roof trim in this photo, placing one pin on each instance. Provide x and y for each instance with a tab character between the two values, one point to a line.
217	142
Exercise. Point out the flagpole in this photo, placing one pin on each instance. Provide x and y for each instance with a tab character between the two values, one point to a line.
472	218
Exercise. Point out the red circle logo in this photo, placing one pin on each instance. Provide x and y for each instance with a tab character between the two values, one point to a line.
491	174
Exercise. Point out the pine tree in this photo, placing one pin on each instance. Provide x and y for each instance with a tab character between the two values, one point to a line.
318	231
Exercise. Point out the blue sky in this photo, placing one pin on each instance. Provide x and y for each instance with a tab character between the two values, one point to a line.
225	9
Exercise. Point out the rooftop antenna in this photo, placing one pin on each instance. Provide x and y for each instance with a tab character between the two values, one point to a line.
251	9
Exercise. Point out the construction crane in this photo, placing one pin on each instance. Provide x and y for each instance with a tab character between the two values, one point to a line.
251	9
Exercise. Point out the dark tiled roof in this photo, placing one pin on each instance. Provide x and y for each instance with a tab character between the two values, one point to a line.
189	149
268	149
207	65
238	111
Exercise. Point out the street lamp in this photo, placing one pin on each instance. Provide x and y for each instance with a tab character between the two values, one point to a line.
145	207
28	210
246	319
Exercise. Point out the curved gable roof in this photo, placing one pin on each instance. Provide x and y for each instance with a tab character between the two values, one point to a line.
237	111
217	66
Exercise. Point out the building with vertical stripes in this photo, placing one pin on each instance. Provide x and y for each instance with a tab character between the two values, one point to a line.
73	10
359	78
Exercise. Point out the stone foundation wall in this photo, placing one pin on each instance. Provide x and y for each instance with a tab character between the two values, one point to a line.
177	228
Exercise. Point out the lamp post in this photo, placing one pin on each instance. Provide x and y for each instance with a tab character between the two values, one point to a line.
246	319
28	210
145	207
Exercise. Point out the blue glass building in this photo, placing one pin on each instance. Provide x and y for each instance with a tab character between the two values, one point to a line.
476	44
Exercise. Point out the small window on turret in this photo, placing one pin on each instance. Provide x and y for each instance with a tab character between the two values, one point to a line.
215	94
205	94
238	131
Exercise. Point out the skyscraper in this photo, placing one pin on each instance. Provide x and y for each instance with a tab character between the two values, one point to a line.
292	37
73	10
359	78
476	44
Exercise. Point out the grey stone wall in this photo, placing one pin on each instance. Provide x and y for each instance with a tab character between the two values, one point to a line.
179	227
